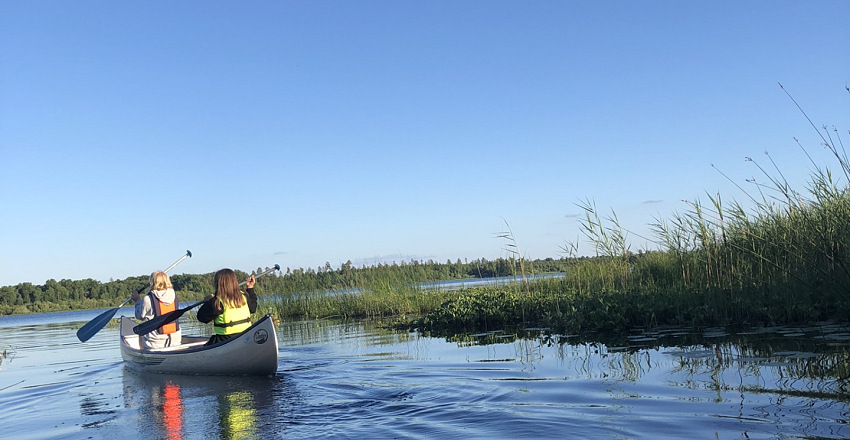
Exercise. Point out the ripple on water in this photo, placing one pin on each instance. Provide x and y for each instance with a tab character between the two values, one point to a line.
356	381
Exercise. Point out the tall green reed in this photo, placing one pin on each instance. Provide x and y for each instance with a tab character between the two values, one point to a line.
782	258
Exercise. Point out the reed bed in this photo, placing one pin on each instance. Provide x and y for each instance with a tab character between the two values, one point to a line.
396	294
782	258
782	263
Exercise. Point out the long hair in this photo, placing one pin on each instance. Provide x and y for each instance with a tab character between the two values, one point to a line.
227	289
160	281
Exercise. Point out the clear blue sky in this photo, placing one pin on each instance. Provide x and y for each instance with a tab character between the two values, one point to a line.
305	132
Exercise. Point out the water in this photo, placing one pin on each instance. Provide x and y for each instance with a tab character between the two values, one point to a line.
359	381
480	282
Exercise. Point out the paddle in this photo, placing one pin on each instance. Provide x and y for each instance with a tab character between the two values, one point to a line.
92	327
159	321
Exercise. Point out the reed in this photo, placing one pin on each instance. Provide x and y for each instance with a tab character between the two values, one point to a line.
395	294
780	263
782	258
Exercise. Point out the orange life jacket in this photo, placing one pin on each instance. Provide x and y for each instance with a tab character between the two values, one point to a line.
160	309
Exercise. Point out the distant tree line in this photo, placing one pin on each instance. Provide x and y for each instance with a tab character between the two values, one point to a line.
91	294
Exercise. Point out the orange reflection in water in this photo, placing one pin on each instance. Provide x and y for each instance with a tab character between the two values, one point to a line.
172	411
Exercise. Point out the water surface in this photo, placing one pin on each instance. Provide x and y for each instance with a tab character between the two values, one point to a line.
358	381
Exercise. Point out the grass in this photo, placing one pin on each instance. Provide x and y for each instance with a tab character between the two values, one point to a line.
784	263
392	295
784	259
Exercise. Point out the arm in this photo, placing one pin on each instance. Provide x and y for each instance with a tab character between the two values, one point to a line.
207	312
252	299
144	309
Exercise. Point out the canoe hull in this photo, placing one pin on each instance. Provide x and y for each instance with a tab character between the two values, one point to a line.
253	352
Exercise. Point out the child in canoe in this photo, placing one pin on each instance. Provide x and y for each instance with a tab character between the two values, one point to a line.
229	309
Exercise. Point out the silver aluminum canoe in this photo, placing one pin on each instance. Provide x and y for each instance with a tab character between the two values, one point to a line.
253	352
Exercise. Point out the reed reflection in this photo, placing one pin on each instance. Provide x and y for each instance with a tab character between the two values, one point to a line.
785	360
8	354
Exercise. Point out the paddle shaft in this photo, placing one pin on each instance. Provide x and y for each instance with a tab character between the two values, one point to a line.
142	289
159	321
92	327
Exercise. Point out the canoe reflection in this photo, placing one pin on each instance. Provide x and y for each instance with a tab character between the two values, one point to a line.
178	407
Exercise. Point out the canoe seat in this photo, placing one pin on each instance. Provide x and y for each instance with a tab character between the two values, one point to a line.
177	347
133	341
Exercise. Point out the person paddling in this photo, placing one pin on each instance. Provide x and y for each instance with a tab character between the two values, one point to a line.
229	308
160	300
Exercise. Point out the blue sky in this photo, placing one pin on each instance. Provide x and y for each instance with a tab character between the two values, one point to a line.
304	132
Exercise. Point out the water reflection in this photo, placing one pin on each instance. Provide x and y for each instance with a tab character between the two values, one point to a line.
171	411
96	406
238	416
814	358
159	403
8	354
809	361
219	407
233	414
361	380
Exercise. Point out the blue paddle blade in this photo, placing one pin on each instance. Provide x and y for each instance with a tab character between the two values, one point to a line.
92	327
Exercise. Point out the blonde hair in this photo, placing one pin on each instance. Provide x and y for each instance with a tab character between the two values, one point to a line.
227	289
160	281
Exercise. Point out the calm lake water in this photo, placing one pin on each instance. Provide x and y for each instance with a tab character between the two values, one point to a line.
358	381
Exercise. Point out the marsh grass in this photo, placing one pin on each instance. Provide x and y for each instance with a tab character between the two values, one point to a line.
719	265
394	294
782	258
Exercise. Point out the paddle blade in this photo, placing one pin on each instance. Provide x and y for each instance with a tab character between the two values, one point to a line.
92	327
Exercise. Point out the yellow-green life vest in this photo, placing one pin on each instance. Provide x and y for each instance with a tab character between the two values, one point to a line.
232	320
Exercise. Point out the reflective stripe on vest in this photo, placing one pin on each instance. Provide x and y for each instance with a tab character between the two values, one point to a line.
159	309
232	320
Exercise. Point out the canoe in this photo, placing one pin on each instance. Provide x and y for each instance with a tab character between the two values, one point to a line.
251	353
